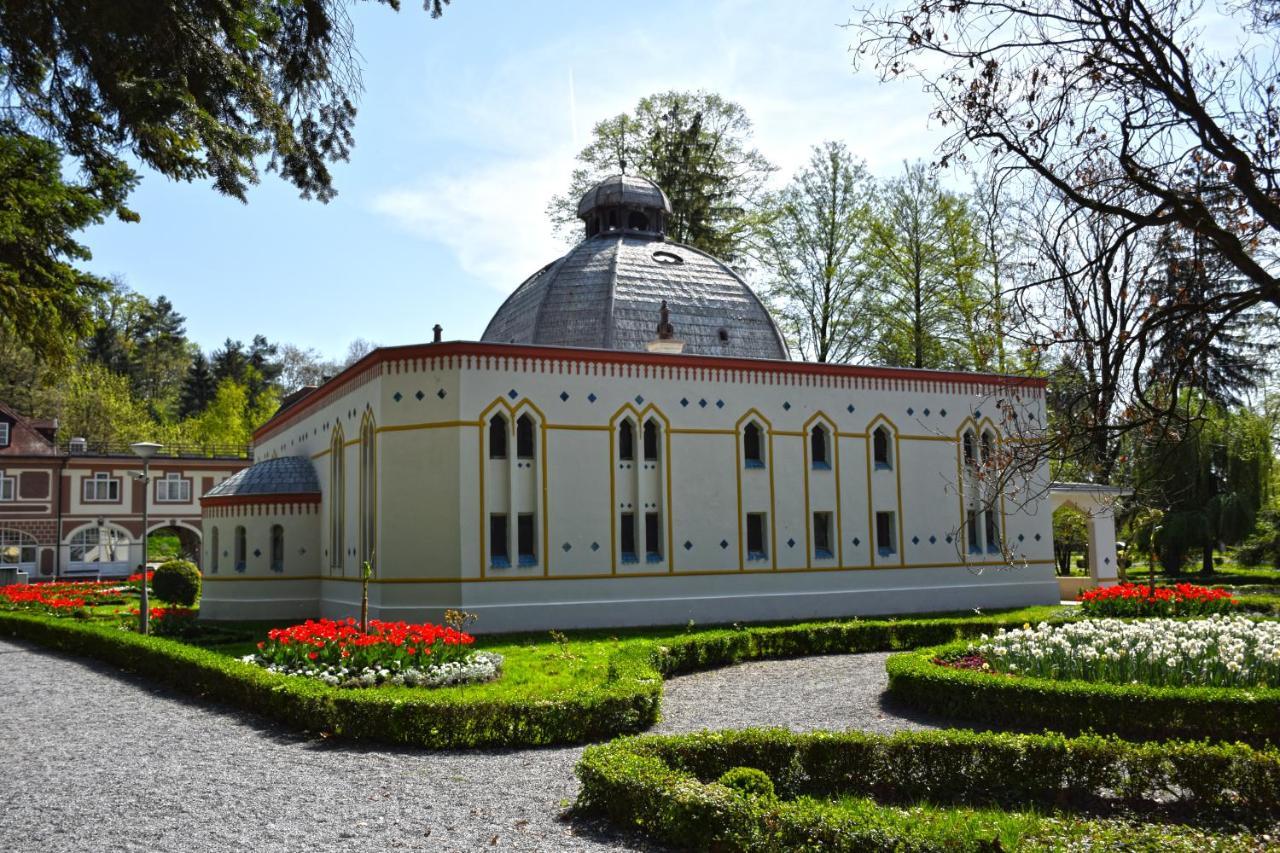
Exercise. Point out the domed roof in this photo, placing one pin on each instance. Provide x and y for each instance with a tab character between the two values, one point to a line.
624	191
285	475
606	293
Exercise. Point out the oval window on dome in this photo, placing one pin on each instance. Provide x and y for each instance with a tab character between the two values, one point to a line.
664	257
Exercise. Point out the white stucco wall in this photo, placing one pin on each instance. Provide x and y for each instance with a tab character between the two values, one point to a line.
437	488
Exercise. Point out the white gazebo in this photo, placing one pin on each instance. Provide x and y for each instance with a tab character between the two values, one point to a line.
1098	503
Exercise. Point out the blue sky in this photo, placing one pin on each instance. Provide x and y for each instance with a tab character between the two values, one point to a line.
467	126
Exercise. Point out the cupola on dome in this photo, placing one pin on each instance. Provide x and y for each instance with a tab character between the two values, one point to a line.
607	292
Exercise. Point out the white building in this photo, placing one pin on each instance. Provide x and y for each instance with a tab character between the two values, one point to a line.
589	464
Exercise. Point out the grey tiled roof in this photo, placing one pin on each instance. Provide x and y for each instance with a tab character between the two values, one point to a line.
287	475
606	292
624	191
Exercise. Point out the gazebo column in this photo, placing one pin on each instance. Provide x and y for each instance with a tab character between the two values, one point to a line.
1103	561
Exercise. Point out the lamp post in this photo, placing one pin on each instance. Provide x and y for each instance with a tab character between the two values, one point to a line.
144	450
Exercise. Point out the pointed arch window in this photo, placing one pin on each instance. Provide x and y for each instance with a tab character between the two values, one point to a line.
368	489
650	440
524	437
213	552
277	548
970	448
820	447
626	441
337	500
753	446
988	446
882	448
242	549
498	437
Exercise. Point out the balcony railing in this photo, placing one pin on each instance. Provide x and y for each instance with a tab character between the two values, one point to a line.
169	451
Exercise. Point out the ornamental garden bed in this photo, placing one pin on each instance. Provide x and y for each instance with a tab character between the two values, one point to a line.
554	689
948	790
1216	678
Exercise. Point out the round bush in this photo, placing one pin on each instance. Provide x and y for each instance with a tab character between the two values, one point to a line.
177	582
749	782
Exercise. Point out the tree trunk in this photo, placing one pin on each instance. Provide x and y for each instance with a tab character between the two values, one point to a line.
1206	567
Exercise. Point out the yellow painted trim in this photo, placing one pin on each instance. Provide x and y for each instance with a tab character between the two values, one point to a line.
926	438
897	470
691	431
434	425
737	470
221	578
805	451
871	510
613	503
484	517
790	433
821	417
324	452
851	435
601	576
582	427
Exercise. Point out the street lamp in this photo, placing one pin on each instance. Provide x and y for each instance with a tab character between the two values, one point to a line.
144	450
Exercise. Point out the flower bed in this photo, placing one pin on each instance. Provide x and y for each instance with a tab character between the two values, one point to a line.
929	791
338	653
62	598
1028	702
1130	600
1221	651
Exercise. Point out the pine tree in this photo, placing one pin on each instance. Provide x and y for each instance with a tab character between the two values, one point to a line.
198	388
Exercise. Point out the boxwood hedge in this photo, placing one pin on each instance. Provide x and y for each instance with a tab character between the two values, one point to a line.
668	787
1134	711
625	702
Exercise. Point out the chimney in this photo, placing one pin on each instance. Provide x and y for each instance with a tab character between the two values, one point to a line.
439	330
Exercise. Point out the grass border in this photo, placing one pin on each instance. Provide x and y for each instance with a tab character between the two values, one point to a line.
627	702
1134	711
667	787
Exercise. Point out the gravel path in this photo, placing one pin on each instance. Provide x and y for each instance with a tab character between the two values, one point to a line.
214	778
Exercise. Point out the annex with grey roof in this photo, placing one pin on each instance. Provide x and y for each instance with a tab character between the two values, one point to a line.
286	475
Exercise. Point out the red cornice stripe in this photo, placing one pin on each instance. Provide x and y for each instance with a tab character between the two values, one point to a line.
597	356
255	500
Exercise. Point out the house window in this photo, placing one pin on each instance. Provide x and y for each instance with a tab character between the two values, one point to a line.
4	433
497	437
757	544
628	533
992	531
880	452
499	556
753	446
886	542
971	531
822	535
368	489
818	447
637	221
172	488
970	451
242	550
337	501
988	447
277	548
527	542
17	549
213	552
626	442
652	538
650	441
99	545
524	437
7	488
101	487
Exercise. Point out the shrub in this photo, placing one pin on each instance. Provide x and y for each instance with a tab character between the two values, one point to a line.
662	785
749	782
1134	711
1132	600
177	582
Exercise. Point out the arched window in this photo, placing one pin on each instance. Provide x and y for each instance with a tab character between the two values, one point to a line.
101	545
337	500
819	447
613	220
637	221
242	549
213	552
881	453
277	548
524	437
650	440
988	446
17	549
498	437
753	446
626	441
970	450
368	489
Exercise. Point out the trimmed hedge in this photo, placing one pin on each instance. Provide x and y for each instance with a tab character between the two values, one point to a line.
177	582
1134	711
626	702
668	787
